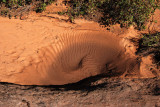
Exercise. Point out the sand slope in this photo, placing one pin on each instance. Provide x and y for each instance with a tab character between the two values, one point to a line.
20	39
23	43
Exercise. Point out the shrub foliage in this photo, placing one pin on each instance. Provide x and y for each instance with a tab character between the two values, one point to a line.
124	12
151	40
150	44
40	5
128	12
13	3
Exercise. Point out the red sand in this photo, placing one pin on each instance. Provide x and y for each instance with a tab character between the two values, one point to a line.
29	48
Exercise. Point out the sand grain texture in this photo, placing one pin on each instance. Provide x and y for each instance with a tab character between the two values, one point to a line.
44	51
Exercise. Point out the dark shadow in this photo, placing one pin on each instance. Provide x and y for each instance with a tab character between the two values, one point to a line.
83	85
52	17
156	90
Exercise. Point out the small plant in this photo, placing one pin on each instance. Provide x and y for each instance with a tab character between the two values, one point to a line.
41	7
150	44
82	8
15	3
149	40
41	4
49	1
4	12
61	13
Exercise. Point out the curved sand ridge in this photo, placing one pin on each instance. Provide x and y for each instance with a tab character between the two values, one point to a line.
38	53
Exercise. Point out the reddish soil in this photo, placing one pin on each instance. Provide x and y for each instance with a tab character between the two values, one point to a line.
24	43
22	38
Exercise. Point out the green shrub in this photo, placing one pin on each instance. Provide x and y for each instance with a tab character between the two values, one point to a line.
150	44
124	12
61	13
4	12
149	40
82	8
13	3
128	12
40	7
40	4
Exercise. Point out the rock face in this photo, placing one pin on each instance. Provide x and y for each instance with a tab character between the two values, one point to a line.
92	92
